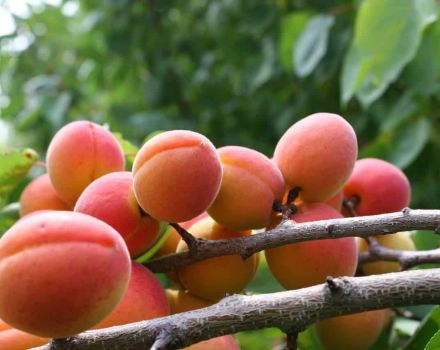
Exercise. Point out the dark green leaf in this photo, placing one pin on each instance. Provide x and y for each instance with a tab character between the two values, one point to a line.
428	327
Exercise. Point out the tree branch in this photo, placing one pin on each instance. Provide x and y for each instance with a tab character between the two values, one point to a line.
290	232
295	309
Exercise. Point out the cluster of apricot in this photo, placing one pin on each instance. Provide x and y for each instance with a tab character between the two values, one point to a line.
66	266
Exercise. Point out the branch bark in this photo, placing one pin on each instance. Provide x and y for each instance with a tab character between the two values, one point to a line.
290	232
286	310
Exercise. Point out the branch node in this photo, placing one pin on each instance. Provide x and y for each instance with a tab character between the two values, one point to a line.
189	239
406	211
334	284
330	228
162	341
292	339
350	204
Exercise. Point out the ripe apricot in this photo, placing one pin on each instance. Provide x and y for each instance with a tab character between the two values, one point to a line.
351	332
213	278
304	264
39	194
251	182
177	175
111	199
144	299
61	273
378	187
181	301
317	154
14	339
79	153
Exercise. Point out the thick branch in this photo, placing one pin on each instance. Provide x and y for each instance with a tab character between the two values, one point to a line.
290	232
286	310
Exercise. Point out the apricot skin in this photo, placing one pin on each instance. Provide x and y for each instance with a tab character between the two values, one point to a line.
181	301
379	186
14	339
111	199
251	182
304	264
144	299
398	241
213	278
351	332
79	153
61	273
177	175
317	154
39	194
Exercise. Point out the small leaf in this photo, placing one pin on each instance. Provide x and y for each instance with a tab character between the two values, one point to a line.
406	326
292	26
311	46
165	231
387	35
14	166
428	327
434	342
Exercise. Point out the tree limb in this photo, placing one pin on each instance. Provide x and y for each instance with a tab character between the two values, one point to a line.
290	232
295	309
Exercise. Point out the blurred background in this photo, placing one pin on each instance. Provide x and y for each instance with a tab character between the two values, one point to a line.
239	71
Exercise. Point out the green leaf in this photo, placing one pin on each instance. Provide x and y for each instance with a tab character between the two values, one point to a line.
311	45
401	145
387	35
163	235
292	26
307	340
14	166
434	342
406	327
129	149
428	327
8	216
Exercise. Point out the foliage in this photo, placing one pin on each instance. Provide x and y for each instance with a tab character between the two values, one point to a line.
241	72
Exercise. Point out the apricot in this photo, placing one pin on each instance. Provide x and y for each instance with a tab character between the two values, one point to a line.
398	241
351	332
181	301
177	175
378	187
304	264
225	342
144	299
79	153
336	201
61	273
111	199
213	278
39	194
317	154
14	339
251	182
